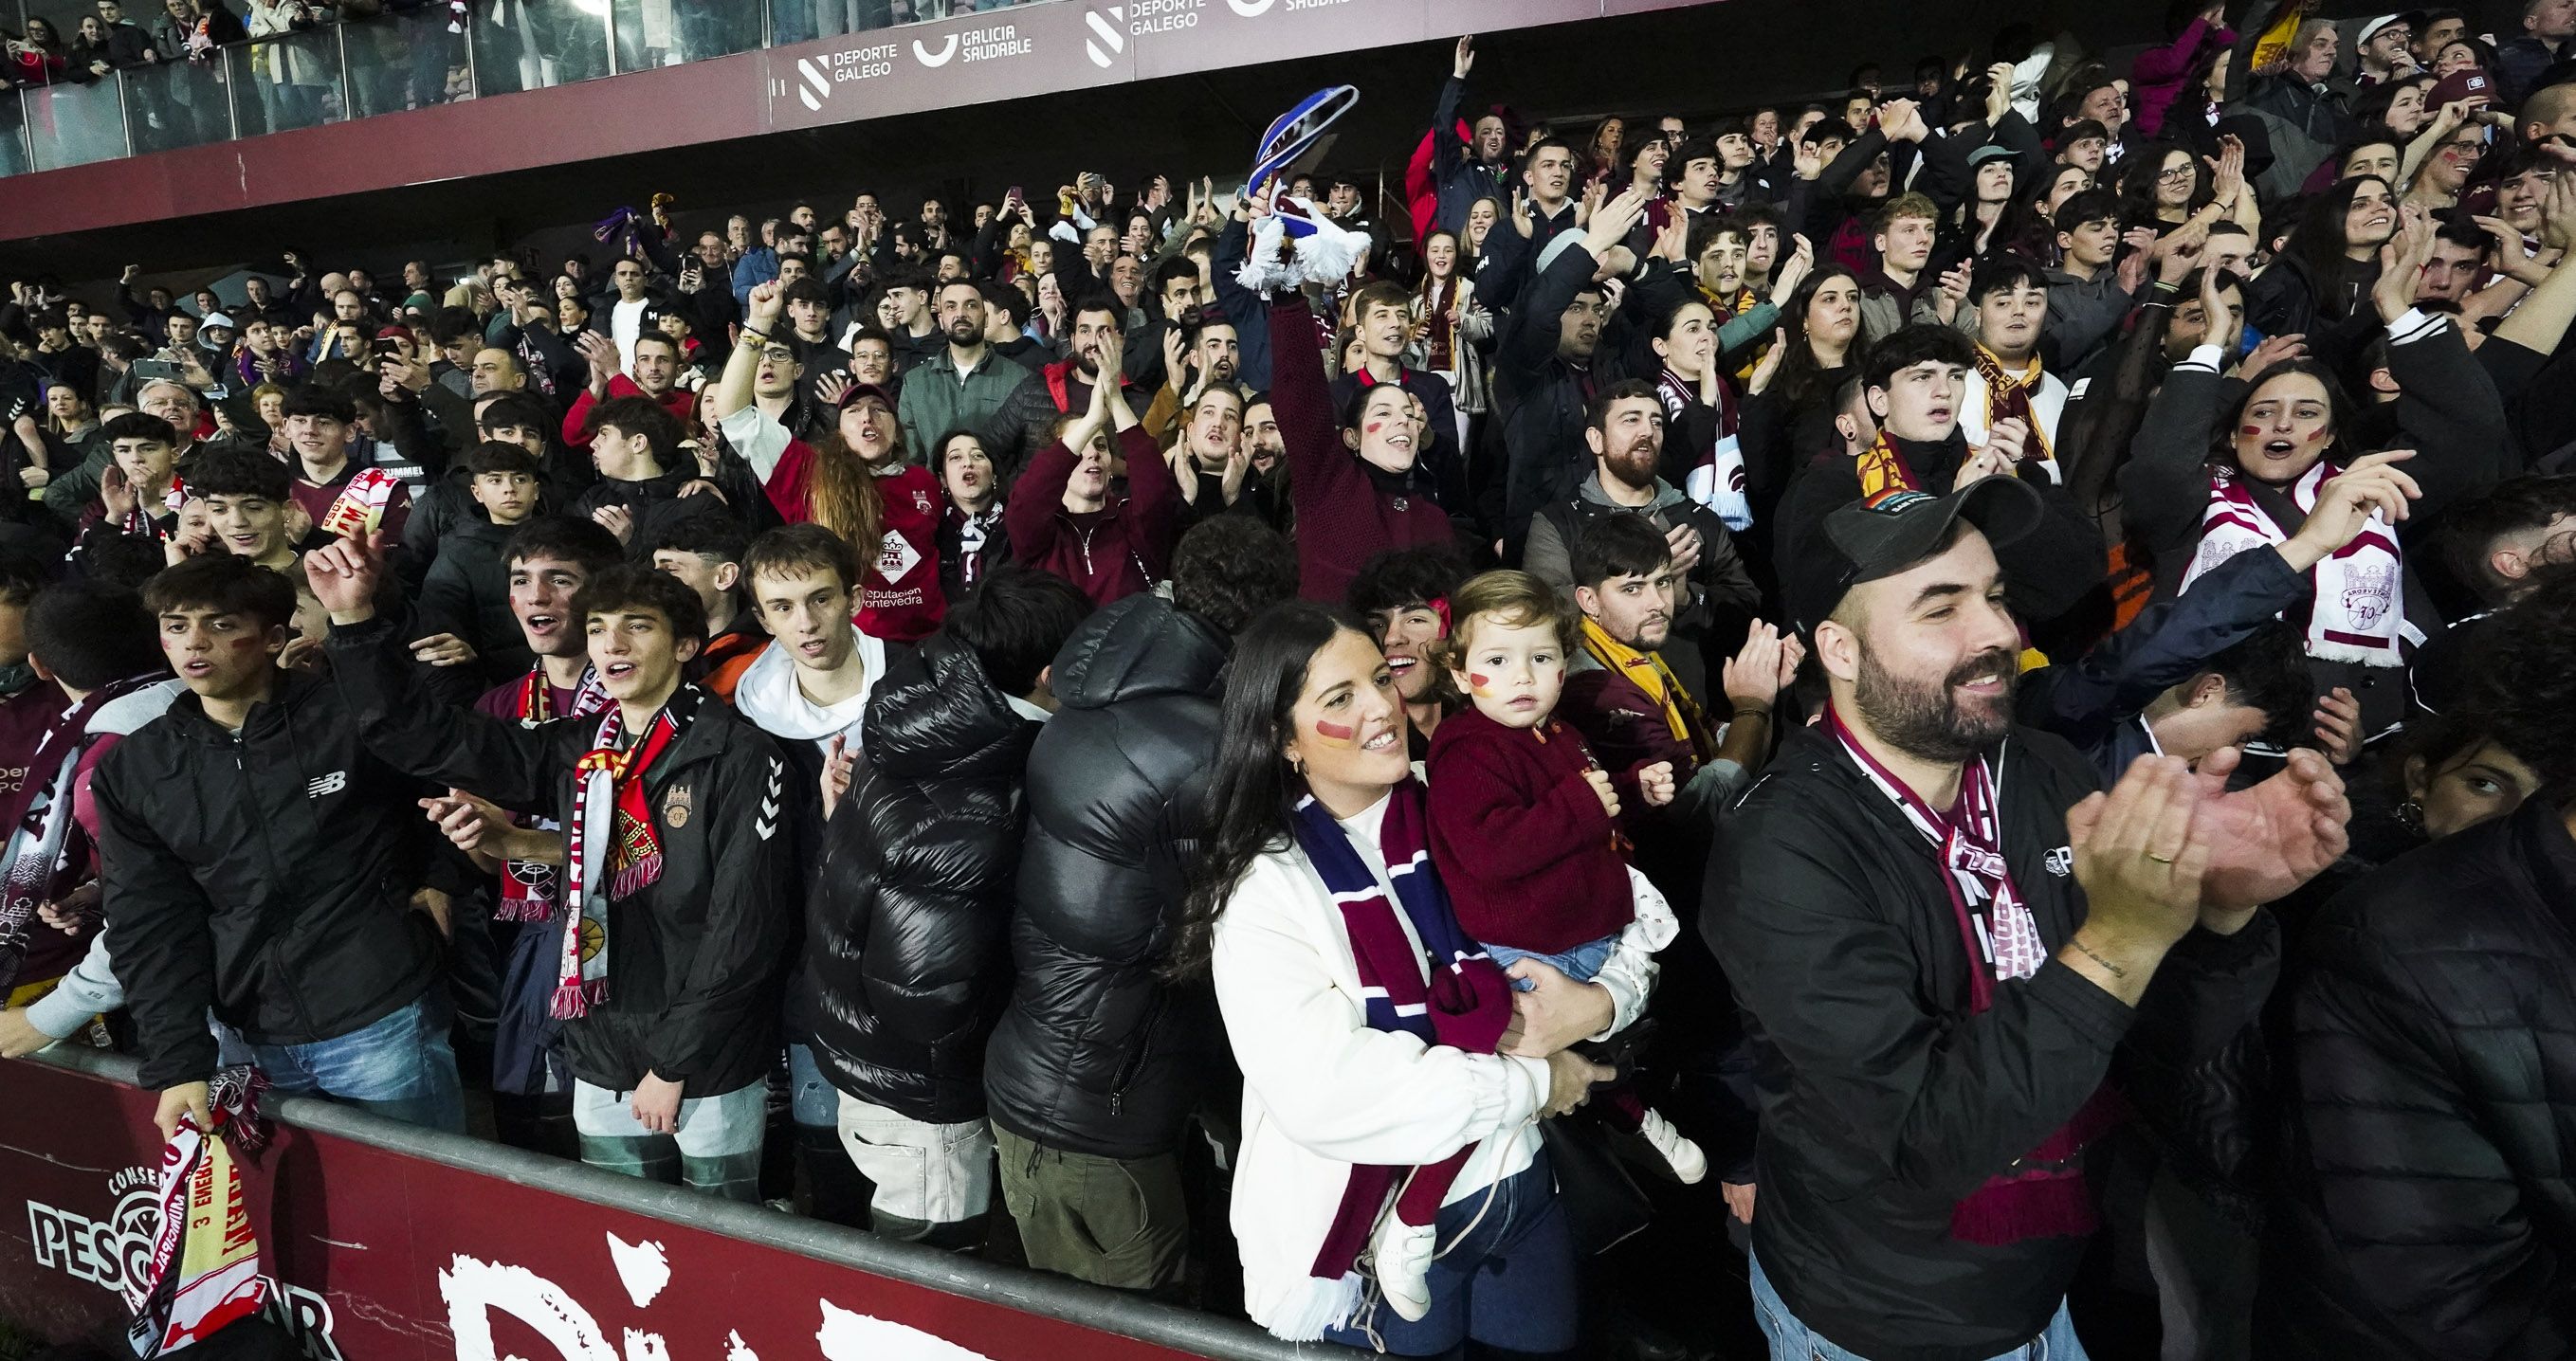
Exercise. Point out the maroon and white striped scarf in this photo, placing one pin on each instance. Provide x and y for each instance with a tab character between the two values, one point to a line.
2043	1194
529	890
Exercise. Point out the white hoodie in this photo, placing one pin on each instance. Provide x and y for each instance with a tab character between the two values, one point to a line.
768	695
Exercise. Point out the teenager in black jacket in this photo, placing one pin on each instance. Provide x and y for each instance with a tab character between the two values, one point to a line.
1940	935
677	873
2426	1205
260	861
906	965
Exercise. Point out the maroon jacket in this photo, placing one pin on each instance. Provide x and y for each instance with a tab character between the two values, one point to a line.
1623	724
1347	512
1125	550
1528	857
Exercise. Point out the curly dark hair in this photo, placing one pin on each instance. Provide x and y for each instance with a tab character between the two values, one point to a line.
1231	567
2528	691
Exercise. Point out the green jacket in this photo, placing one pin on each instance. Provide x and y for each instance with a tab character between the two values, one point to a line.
1001	401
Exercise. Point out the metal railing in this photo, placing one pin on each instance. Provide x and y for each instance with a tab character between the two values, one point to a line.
397	61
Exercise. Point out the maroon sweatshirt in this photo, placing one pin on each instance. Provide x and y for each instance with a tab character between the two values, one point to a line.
1113	553
1347	511
1528	857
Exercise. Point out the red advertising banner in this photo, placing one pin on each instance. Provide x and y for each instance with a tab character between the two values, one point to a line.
384	1255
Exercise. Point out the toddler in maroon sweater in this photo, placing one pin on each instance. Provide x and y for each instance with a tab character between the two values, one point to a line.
1524	831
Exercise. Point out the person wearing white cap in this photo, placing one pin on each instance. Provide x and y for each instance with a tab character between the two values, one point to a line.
2385	50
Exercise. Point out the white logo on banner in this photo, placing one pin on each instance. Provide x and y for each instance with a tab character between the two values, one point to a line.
108	1253
923	55
817	87
1250	9
1103	31
476	1290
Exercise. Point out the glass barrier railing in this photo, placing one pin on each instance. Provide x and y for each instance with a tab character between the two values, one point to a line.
402	58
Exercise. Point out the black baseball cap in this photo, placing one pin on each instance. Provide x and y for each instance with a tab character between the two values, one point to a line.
1896	530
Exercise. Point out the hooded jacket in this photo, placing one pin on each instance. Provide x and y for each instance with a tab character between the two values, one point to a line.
906	962
267	875
1097	1053
1885	1099
2426	1207
697	956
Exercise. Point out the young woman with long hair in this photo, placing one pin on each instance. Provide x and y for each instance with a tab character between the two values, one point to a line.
2321	283
1788	415
1366	1024
1453	326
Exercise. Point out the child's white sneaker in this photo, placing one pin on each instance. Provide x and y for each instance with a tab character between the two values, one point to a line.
1403	1263
1688	1163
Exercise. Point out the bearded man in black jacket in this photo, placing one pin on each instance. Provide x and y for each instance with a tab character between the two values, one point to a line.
1941	931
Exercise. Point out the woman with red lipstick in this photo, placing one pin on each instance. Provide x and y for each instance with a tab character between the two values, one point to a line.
2197	492
971	536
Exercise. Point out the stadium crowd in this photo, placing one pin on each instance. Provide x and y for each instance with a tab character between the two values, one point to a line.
2014	632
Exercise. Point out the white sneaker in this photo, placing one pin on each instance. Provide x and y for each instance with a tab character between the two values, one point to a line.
1688	1163
1403	1264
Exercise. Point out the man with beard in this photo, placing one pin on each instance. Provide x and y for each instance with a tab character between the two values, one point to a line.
1265	480
1936	976
1914	383
655	375
2007	381
1626	434
1096	318
966	386
1209	462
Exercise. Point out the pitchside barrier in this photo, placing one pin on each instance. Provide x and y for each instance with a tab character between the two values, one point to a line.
393	1243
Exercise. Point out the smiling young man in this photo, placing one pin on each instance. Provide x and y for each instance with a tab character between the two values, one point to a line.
1382	312
1404	595
1064	516
340	496
1940	933
676	921
247	497
2007	381
261	864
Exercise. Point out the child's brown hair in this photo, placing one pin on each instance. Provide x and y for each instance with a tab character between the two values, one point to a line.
1517	599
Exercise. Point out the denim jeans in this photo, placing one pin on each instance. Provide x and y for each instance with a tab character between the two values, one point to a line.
1580	963
1504	1277
400	1067
1792	1340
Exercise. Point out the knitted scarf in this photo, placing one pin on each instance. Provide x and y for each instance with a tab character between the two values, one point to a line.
1436	297
529	889
2043	1193
361	504
2358	613
2008	398
614	851
1466	1002
1716	475
141	521
1883	468
1646	671
51	766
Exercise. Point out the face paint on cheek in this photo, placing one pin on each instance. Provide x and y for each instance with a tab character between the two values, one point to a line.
2249	432
1335	732
1477	681
1373	427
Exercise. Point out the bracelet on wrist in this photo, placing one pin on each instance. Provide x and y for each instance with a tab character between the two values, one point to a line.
756	333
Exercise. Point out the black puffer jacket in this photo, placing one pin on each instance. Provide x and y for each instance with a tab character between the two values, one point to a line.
1096	1053
2428	1204
905	962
